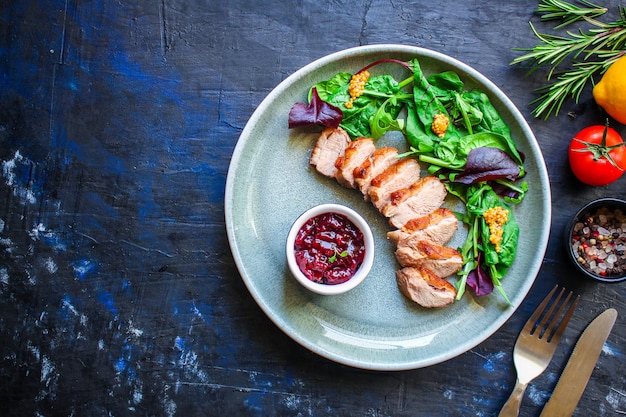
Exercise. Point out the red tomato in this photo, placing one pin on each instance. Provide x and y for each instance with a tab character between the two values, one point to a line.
592	152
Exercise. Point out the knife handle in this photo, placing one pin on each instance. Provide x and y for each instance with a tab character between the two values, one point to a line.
511	407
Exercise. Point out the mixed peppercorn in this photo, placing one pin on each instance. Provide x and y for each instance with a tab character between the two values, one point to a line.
599	242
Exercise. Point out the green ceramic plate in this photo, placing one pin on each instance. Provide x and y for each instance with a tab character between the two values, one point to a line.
270	183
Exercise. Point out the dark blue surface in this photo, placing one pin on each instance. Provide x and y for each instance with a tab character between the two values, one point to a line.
118	291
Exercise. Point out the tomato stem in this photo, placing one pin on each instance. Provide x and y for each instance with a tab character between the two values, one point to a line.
601	150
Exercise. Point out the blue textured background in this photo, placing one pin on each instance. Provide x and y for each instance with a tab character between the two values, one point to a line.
118	292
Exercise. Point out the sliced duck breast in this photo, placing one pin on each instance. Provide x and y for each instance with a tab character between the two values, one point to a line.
355	154
399	175
425	288
330	145
438	227
380	160
420	199
442	260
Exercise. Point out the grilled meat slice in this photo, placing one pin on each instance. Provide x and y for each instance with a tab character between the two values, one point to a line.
355	154
420	199
438	227
442	260
424	287
380	160
330	145
399	175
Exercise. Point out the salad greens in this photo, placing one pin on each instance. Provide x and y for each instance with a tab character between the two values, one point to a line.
476	156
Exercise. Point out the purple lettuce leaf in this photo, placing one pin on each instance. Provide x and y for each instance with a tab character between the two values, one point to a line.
318	112
479	280
487	164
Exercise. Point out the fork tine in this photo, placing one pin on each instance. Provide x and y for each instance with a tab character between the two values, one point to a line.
544	322
531	324
546	328
544	325
556	336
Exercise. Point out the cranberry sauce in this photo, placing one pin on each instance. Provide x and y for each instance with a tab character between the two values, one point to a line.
329	248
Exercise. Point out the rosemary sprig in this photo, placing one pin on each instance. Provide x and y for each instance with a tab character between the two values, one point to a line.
589	53
569	84
568	12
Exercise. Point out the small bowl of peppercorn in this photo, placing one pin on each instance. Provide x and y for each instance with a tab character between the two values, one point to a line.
330	249
596	240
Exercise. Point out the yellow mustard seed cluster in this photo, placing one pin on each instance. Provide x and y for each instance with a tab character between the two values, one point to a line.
496	217
357	86
440	125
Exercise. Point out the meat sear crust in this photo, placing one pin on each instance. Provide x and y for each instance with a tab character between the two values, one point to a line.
437	227
355	154
425	288
403	173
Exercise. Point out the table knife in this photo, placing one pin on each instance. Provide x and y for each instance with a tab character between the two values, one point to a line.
579	367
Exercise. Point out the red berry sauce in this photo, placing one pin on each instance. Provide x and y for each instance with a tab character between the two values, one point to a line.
329	249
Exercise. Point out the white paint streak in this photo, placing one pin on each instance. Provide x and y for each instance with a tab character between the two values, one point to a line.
133	331
83	268
292	402
7	243
34	350
188	360
608	350
53	239
4	276
35	231
616	399
50	265
538	397
25	194
2	225
169	406
197	312
70	307
138	393
8	168
32	280
48	371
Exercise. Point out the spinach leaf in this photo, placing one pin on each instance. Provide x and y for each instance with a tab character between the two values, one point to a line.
444	82
427	104
329	89
416	135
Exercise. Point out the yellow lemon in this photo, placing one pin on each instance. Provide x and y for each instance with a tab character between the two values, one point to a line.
610	92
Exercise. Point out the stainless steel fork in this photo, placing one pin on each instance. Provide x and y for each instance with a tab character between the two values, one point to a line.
536	345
